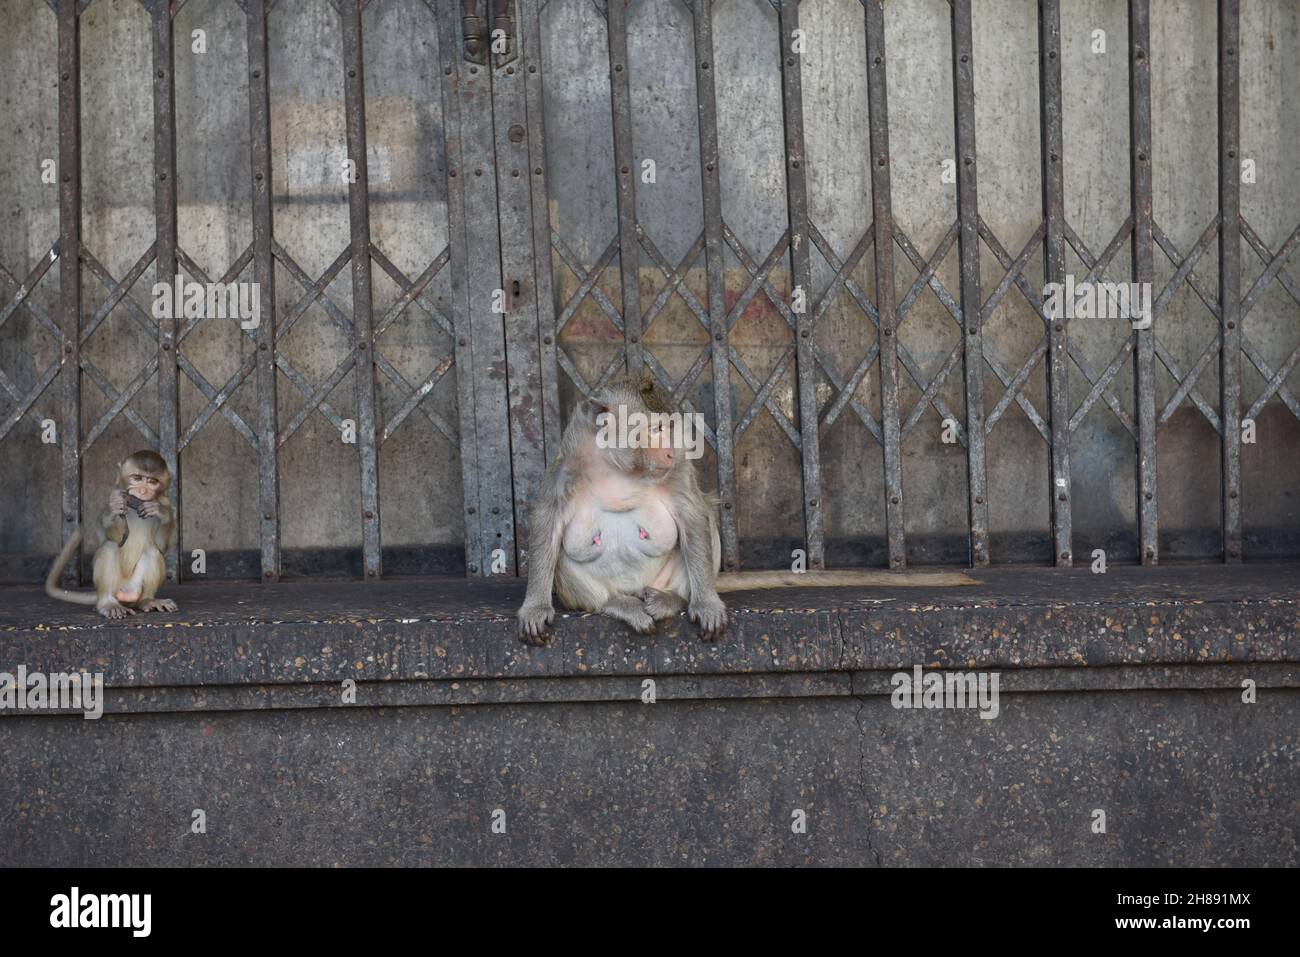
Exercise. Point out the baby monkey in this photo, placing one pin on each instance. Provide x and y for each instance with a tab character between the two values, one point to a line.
623	528
138	527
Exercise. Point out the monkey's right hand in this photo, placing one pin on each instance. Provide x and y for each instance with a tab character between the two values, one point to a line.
117	503
534	621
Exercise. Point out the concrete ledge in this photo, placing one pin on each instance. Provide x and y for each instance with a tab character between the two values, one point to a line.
1119	692
456	630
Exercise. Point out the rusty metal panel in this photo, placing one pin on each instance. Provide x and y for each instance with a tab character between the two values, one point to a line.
715	268
963	72
1049	55
530	40
629	251
480	339
886	305
1230	275
796	183
70	268
515	210
259	118
1139	40
164	165
354	96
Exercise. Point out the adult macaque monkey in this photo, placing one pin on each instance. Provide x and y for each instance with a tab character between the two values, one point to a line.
626	531
138	527
622	528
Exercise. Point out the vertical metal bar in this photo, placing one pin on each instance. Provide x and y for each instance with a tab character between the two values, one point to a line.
70	266
1049	56
259	118
531	55
484	331
1230	274
882	210
519	275
963	72
715	265
354	102
796	189
1139	38
449	52
629	251
164	206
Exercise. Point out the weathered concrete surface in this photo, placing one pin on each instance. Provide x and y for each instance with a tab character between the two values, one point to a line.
1120	692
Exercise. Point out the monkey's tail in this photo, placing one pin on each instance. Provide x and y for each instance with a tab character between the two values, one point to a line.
837	578
56	571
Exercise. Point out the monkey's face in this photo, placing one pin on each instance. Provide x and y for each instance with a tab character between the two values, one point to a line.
146	486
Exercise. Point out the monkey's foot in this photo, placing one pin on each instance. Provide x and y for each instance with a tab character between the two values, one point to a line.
662	604
115	610
632	611
711	615
128	596
158	604
533	623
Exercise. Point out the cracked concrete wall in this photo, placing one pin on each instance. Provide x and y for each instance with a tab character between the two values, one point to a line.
420	469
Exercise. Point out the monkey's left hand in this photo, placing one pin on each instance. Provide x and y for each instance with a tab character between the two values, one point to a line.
149	510
710	614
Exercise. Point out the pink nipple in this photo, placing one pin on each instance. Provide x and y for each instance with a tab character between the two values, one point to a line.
644	533
596	540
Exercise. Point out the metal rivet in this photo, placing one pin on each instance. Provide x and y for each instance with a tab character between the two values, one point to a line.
633	339
162	176
167	347
1142	157
1054	157
893	500
727	505
979	499
496	509
256	74
618	68
447	70
1061	497
463	341
803	333
257	176
473	69
1150	496
704	65
510	71
717	336
969	161
878	61
478	172
67	177
262	347
1232	154
1151	553
268	575
472	510
965	58
473	569
451	172
370	514
546	340
352	72
161	74
267	516
880	161
624	171
709	167
1232	494
1231	324
1065	556
361	346
789	61
812	502
1052	55
514	173
532	69
889	332
538	171
1141	54
65	76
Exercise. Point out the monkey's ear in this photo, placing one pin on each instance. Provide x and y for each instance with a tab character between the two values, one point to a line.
593	406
